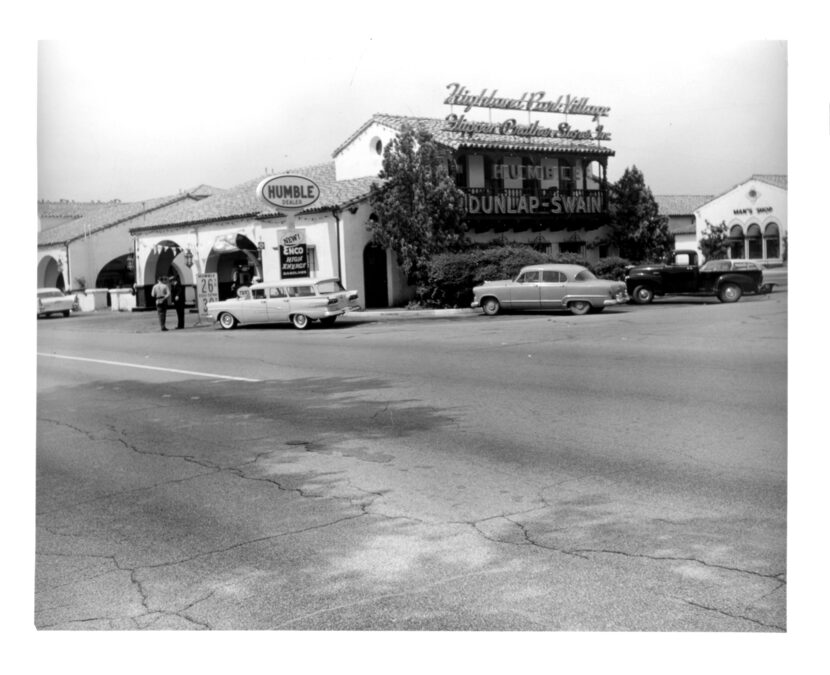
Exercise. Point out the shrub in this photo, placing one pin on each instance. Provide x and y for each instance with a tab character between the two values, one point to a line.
611	268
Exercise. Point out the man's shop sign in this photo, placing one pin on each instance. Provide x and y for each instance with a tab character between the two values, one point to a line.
288	192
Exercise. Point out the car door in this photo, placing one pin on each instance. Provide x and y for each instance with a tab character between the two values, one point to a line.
252	309
552	289
526	293
680	278
277	303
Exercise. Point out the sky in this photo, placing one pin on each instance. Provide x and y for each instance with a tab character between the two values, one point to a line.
133	119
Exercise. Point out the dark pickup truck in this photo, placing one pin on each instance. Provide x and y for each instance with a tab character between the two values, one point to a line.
727	279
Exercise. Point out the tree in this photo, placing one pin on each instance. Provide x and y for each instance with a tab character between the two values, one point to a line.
637	229
419	209
713	243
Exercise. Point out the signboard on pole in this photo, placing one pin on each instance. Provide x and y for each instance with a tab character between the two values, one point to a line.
293	255
290	194
207	290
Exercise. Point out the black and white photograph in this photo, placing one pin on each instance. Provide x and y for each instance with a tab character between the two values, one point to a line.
478	328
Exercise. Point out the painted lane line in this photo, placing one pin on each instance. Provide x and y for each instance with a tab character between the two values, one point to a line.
166	370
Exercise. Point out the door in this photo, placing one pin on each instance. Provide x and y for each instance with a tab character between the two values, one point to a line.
552	289
277	302
526	294
253	309
374	276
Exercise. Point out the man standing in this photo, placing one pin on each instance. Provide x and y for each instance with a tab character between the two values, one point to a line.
177	295
161	293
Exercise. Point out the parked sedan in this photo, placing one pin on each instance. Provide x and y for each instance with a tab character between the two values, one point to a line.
299	301
54	301
550	286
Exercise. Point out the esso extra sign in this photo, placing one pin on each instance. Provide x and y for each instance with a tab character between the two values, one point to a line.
288	191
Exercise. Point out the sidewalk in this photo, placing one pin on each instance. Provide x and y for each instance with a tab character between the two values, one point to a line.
146	322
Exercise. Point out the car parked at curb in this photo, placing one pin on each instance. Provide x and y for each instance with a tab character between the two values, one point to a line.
299	301
774	274
550	286
728	280
55	301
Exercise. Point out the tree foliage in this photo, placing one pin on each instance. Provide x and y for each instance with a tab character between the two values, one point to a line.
637	229
713	243
420	211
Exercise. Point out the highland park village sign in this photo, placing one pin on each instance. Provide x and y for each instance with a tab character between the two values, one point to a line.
529	102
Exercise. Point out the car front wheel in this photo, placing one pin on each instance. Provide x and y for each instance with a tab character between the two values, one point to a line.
300	321
227	321
643	295
580	307
491	306
730	293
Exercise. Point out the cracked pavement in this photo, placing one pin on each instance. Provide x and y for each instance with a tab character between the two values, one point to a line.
397	481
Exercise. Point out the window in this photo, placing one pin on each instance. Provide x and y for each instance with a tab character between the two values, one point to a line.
584	275
736	242
572	247
772	240
753	237
331	286
276	292
258	293
566	176
300	291
552	277
529	277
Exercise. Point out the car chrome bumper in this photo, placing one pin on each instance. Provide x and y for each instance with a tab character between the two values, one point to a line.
475	304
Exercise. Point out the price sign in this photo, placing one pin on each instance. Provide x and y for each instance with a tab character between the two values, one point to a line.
207	290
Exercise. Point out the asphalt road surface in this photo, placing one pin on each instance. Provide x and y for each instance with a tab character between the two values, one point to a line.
615	472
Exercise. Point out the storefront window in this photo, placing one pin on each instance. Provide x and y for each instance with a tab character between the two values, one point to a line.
753	236
772	239
736	242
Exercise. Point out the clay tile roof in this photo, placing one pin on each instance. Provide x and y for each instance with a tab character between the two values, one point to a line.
680	205
241	201
113	214
478	140
773	179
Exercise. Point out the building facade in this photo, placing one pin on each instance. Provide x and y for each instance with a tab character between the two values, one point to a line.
755	214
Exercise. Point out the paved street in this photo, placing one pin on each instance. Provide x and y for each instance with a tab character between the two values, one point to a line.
615	472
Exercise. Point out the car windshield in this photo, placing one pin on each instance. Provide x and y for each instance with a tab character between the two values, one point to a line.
330	286
49	294
584	275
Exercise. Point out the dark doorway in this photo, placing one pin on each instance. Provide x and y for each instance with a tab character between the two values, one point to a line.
374	276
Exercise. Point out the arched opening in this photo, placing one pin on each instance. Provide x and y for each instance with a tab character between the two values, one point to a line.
235	260
166	259
375	279
772	241
736	242
50	273
117	273
755	241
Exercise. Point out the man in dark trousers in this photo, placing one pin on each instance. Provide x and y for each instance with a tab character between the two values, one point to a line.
177	295
161	294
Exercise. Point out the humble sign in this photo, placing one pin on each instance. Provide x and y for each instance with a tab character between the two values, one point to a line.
288	192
